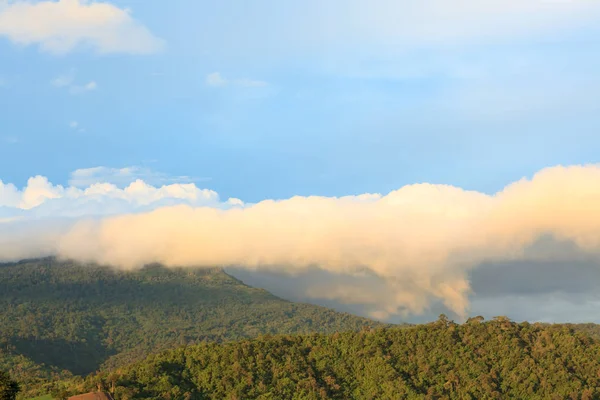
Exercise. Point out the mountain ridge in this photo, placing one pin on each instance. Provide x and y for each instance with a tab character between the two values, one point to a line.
62	317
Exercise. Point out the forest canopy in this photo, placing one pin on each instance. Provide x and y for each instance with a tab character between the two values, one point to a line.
498	359
159	333
60	318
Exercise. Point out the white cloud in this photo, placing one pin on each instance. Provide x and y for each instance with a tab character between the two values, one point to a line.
9	195
67	81
215	79
88	87
38	191
403	253
235	202
65	25
74	125
250	83
124	176
40	198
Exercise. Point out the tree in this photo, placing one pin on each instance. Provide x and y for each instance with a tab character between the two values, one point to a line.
8	387
475	320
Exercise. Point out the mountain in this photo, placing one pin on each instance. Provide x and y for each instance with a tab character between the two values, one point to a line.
59	318
498	359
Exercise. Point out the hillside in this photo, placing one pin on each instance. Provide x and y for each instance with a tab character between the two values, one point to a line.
60	318
498	359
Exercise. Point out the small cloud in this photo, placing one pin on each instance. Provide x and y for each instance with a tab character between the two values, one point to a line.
215	79
235	202
63	80
63	26
67	81
250	83
74	125
88	87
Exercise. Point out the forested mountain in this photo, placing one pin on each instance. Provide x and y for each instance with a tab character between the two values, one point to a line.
161	333
60	318
498	359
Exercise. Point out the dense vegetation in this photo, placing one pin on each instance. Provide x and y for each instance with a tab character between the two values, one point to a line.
498	359
62	318
164	333
8	387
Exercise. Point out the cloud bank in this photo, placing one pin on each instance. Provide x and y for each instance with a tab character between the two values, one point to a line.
400	253
40	198
65	25
84	177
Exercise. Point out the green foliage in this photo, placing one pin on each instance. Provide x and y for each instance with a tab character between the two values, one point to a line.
592	330
62	318
168	334
499	359
8	387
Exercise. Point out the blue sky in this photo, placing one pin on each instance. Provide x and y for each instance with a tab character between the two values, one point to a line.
349	104
168	122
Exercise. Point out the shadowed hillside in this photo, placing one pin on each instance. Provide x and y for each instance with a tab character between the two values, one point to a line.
74	317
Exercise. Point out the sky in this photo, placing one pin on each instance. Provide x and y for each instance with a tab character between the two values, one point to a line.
129	107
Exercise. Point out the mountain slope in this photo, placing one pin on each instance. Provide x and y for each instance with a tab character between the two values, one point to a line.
442	360
77	318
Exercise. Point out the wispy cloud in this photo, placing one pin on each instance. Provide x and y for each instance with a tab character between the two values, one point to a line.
67	81
88	87
250	83
215	79
76	126
65	25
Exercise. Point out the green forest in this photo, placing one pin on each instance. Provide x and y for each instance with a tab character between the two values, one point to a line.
498	359
159	333
60	318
